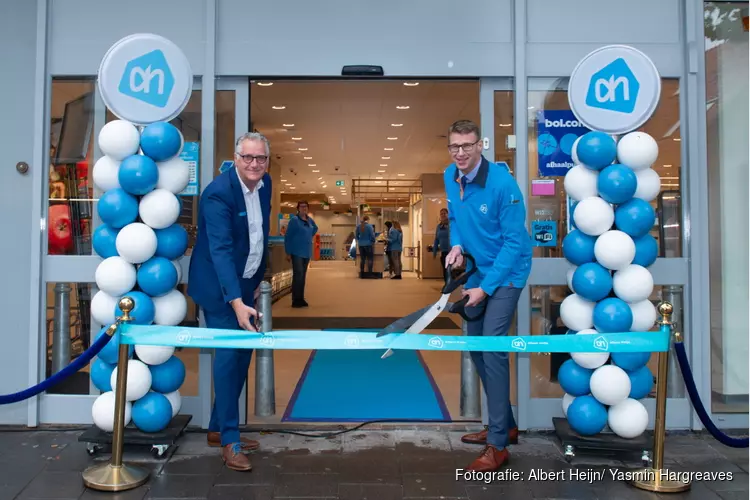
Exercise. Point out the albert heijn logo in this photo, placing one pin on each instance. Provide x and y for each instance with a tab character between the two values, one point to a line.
614	88
148	78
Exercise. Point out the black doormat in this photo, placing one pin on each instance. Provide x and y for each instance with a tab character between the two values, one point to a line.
323	323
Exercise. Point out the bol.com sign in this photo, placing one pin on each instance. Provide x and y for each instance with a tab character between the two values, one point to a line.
561	123
148	79
614	88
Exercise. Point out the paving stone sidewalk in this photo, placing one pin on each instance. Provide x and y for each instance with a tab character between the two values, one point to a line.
360	465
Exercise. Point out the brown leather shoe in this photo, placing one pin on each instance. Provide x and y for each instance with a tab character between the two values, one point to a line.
481	437
234	458
490	460
214	440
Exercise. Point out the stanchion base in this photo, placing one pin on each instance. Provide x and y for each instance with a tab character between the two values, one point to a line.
107	477
652	480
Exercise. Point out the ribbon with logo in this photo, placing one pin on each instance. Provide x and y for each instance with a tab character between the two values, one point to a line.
209	338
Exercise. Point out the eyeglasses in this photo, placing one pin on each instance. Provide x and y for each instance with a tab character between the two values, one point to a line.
261	159
454	148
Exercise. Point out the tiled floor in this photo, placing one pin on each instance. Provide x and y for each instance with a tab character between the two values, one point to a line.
380	464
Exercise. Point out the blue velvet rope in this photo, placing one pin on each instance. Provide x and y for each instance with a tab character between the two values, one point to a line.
72	368
695	398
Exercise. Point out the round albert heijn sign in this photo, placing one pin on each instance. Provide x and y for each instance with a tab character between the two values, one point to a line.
145	78
614	89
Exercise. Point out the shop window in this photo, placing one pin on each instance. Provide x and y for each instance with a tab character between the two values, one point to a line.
550	159
505	146
726	38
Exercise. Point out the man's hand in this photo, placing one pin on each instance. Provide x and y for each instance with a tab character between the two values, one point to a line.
454	257
476	295
244	313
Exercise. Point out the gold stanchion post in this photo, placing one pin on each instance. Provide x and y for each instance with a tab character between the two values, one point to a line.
656	478
116	476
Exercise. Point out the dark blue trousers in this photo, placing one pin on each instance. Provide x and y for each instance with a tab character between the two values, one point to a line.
230	374
493	367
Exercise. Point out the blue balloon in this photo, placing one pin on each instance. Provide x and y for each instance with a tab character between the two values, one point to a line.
596	150
117	208
574	379
143	312
161	141
111	351
168	376
613	315
104	240
646	250
101	374
635	217
578	247
592	281
630	361
641	382
152	413
138	174
157	276
171	242
617	184
587	416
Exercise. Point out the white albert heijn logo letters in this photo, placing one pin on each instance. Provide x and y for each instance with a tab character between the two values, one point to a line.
435	342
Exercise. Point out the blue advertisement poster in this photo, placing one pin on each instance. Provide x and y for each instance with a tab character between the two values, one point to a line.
544	233
191	155
557	130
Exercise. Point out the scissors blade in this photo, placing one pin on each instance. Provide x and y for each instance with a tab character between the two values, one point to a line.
425	319
402	324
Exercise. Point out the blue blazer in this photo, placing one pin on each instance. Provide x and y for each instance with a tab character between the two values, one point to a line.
220	253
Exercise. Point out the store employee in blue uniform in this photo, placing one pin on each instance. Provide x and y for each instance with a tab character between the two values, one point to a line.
488	221
298	247
226	268
442	241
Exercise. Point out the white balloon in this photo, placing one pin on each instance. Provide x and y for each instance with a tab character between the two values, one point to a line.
610	385
577	313
633	283
649	184
644	316
175	399
574	151
171	308
159	209
174	175
179	270
119	139
103	411
105	173
115	276
136	243
138	380
569	277
628	419
614	250
637	150
154	354
581	183
103	308
594	216
590	360
567	399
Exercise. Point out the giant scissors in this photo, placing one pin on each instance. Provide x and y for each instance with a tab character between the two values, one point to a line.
421	319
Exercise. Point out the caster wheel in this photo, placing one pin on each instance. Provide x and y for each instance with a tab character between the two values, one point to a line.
646	459
92	449
159	450
569	453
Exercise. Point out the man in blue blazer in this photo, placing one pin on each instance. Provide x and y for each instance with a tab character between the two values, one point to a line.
226	268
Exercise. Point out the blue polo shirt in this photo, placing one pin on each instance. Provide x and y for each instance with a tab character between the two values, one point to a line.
488	220
299	236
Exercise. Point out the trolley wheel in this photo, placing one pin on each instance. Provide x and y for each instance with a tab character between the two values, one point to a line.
569	453
92	449
159	450
646	458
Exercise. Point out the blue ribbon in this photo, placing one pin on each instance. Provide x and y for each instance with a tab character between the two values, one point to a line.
210	338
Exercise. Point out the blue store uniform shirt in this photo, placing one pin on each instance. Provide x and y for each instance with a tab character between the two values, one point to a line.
298	237
395	240
442	239
488	220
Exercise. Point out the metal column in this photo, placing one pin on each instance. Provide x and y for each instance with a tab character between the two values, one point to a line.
470	399
265	386
61	336
673	295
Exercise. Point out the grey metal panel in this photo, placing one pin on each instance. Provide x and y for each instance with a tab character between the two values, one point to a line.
83	30
553	272
82	268
603	22
18	126
414	38
554	59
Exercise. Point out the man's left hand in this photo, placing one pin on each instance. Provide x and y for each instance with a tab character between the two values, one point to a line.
476	295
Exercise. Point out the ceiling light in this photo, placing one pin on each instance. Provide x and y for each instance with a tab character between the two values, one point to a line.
378	182
402	107
312	165
302	149
397	124
385	157
292	187
322	182
320	178
503	124
296	138
288	184
312	192
411	84
393	138
387	149
279	107
288	125
381	171
401	175
379	177
667	166
677	139
316	171
324	186
265	84
308	157
282	192
383	164
283	180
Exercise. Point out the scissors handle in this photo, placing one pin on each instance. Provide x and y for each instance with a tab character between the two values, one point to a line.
461	279
460	309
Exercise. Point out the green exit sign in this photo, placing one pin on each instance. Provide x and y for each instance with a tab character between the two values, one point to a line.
339	183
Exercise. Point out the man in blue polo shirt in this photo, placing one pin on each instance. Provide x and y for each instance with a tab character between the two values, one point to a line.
488	221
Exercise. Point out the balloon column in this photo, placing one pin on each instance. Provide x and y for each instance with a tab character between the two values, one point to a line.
140	243
610	249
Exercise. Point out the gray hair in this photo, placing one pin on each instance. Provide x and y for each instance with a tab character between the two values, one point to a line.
252	136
